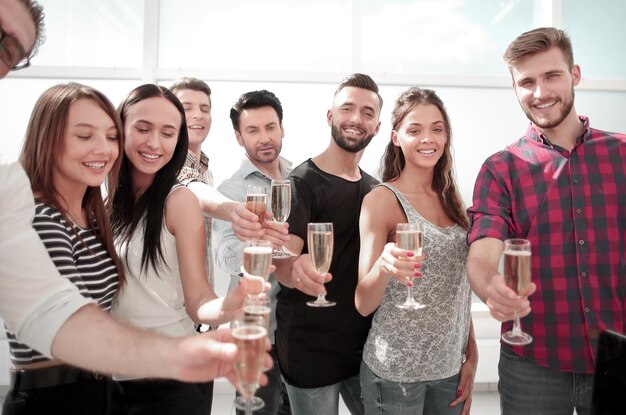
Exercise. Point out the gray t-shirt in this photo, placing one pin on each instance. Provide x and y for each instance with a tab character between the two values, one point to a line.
425	344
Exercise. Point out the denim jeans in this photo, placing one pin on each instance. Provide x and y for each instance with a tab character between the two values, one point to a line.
274	394
325	400
527	388
386	397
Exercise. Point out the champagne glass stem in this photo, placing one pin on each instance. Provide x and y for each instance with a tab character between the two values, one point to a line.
409	295
517	327
249	406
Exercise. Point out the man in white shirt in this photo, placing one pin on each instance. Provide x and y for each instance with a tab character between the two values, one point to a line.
45	310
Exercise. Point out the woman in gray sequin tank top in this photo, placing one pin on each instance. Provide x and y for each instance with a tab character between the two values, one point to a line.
416	358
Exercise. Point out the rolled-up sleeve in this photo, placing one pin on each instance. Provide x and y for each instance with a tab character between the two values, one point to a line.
490	213
35	300
229	251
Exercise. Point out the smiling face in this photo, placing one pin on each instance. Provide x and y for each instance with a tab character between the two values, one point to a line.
544	85
261	134
198	115
89	149
422	136
354	118
151	131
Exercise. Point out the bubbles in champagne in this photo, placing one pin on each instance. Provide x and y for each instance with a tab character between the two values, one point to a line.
517	270
410	240
257	204
257	260
320	250
281	201
250	341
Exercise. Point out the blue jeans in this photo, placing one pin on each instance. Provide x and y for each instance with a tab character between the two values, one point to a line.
385	397
527	388
325	400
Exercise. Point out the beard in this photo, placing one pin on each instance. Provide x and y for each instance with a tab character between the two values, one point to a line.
264	158
345	144
547	123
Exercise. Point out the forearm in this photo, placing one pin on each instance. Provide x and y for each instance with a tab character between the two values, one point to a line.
93	340
370	290
471	348
212	202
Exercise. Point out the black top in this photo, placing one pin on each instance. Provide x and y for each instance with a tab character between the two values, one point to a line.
322	346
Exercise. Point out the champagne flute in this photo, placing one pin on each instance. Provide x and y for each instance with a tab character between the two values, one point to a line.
256	201
257	260
250	338
409	236
517	278
281	207
320	244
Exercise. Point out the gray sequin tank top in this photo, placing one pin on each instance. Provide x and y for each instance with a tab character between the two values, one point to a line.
425	344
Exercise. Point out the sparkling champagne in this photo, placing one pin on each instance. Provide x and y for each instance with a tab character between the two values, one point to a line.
517	270
410	240
281	201
257	204
250	341
253	312
320	250
257	260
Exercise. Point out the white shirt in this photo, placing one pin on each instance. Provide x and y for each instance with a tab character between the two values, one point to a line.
35	300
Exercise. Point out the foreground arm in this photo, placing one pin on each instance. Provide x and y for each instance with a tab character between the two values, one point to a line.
34	299
488	283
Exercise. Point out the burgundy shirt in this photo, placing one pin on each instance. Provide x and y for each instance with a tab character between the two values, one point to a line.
571	205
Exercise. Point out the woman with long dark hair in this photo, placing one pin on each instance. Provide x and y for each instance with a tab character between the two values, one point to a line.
416	358
160	236
72	143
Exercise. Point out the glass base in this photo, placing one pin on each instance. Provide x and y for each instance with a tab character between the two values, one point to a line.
321	302
411	306
241	403
516	339
280	254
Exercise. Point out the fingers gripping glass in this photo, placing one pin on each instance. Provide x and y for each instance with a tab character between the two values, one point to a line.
256	201
320	245
409	236
12	53
281	208
517	278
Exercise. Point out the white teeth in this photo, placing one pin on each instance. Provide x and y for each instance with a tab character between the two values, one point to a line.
546	105
150	156
95	165
353	131
195	127
426	151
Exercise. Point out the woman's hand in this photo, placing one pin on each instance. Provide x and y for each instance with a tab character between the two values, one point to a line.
400	264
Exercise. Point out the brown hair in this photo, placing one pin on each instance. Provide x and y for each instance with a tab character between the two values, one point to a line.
359	80
536	41
194	84
393	161
36	12
43	144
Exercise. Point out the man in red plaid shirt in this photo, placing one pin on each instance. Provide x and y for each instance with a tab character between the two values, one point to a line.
563	187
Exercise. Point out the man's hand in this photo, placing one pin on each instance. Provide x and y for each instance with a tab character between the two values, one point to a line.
503	302
306	279
245	224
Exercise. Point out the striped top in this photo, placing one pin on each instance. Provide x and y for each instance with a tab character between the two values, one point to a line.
85	263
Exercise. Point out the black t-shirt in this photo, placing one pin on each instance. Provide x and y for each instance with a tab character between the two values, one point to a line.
322	346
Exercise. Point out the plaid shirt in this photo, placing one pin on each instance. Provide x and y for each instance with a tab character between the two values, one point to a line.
198	171
571	205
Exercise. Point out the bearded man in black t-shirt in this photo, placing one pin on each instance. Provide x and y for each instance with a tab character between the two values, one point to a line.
320	349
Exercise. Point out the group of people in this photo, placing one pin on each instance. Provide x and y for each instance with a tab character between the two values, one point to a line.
73	256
